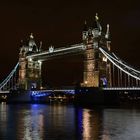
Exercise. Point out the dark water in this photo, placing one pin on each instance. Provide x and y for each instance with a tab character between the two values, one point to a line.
66	122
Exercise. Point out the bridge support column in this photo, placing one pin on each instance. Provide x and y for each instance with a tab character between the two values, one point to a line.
91	63
22	81
91	72
34	74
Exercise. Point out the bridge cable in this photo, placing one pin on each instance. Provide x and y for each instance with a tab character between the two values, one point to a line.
110	58
7	79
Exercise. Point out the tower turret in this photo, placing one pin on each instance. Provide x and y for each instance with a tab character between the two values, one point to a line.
96	27
98	23
32	45
40	46
107	36
85	32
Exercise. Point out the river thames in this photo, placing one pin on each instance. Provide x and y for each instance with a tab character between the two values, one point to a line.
67	122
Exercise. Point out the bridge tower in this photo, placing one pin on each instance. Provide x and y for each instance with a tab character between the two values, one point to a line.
96	67
29	69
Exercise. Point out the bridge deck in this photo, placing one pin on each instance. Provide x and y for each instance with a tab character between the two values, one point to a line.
122	88
4	92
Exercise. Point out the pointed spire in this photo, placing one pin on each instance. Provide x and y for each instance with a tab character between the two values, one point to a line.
85	22
96	23
31	43
21	42
31	36
85	26
96	17
40	46
107	36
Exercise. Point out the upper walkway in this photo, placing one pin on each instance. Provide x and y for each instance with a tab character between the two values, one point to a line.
52	52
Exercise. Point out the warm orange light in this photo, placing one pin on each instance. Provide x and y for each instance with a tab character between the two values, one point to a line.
86	82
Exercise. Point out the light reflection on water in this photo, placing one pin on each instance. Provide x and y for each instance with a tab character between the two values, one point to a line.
67	122
32	124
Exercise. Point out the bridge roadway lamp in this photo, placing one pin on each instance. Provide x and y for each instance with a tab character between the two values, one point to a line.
86	82
30	59
39	61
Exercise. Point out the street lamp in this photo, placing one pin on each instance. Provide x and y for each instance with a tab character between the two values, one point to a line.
86	83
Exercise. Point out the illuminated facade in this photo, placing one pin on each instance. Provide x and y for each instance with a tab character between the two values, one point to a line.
29	70
97	70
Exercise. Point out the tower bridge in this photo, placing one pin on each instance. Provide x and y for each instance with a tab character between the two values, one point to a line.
102	68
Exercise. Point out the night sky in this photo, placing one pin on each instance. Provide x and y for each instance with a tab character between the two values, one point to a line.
60	23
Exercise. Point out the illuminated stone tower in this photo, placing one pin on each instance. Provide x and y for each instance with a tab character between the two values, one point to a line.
22	81
29	69
95	64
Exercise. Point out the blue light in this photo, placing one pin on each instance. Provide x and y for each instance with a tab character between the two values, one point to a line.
46	93
39	94
104	81
80	121
69	92
34	105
